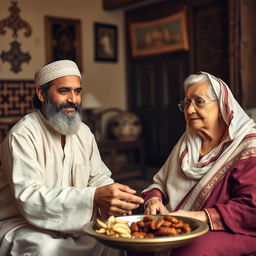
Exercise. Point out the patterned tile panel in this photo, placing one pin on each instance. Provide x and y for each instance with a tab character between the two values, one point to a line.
16	98
5	125
15	102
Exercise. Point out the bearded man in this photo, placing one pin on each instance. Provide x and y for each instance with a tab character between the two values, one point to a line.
52	179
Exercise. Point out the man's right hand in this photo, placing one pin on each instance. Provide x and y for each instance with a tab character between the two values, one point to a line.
116	199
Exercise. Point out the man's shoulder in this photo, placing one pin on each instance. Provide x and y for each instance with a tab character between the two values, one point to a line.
28	123
84	130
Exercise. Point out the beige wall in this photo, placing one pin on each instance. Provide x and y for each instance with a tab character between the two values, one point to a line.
105	80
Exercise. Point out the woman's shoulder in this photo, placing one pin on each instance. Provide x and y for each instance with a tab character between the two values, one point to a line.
249	141
250	136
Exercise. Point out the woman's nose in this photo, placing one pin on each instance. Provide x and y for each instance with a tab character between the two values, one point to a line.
191	108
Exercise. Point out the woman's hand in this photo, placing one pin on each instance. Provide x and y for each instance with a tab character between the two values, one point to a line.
199	215
154	206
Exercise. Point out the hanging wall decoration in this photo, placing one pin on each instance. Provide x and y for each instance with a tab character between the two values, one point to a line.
15	56
63	39
14	22
105	39
159	36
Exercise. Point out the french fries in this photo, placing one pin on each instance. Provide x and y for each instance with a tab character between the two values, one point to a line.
114	227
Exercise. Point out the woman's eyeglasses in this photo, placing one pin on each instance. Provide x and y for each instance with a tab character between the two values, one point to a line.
197	103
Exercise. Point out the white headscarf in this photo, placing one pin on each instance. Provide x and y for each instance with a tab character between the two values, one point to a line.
183	169
238	122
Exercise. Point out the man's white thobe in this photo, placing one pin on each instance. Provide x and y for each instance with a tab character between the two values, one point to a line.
47	192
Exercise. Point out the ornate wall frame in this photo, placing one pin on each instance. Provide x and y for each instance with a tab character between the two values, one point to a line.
105	36
63	39
159	36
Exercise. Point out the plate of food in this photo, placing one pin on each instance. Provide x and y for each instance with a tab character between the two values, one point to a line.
146	232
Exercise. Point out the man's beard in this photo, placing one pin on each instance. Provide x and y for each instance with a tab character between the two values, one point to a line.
65	124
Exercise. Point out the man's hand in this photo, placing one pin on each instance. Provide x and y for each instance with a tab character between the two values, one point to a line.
155	206
116	199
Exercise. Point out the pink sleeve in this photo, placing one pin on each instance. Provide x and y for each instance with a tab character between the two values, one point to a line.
214	219
154	192
232	204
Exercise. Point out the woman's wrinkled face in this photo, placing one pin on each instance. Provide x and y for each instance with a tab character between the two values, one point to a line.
203	114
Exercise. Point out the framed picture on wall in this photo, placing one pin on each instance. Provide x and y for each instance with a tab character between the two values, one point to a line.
159	36
105	39
63	39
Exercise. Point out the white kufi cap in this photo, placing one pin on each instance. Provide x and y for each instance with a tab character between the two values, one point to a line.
55	70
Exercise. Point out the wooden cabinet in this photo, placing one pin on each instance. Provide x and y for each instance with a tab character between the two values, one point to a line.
125	159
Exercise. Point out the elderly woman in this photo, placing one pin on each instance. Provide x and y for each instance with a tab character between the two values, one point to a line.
211	173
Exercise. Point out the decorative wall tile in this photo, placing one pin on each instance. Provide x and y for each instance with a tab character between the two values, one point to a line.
16	98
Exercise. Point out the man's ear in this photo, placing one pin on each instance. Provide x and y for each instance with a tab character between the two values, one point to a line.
40	94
